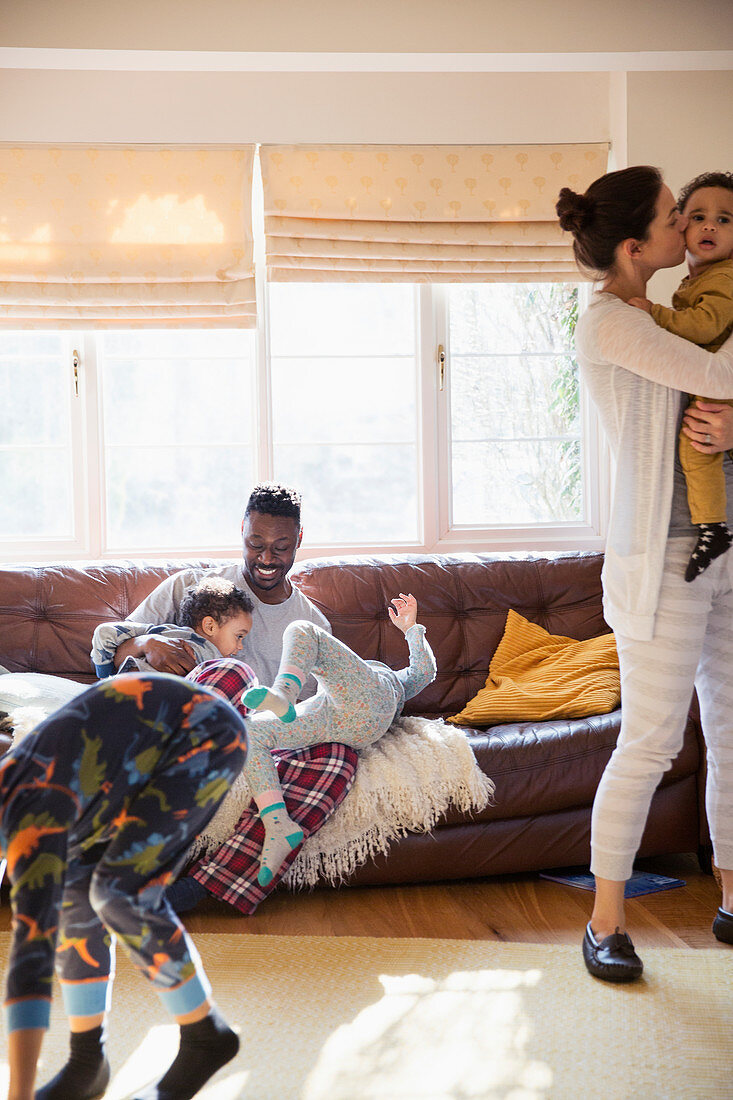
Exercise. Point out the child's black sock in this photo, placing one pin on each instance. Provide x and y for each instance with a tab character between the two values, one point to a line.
714	539
86	1074
205	1047
184	894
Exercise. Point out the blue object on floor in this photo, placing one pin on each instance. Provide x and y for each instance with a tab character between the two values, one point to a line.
641	882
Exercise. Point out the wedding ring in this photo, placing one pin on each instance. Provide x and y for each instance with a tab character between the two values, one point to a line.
708	439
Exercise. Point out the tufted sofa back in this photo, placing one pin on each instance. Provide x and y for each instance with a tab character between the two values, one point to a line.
463	600
48	612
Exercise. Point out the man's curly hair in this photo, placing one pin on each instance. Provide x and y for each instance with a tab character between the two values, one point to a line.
707	179
216	597
269	498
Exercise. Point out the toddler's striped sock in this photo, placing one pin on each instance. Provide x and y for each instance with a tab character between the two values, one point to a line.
282	835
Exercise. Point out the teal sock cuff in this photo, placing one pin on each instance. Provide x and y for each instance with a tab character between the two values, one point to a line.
290	676
274	806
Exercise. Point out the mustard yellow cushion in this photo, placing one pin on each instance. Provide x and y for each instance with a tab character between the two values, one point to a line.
534	675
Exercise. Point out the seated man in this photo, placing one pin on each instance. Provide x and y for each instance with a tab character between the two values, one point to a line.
318	777
271	535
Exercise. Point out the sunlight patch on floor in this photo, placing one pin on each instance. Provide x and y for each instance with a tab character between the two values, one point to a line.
465	1035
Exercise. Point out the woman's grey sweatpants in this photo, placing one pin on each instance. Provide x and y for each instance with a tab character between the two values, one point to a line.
692	646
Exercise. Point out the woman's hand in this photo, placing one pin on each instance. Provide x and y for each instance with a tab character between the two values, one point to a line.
709	426
404	612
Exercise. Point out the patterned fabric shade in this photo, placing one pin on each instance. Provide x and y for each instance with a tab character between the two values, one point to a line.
126	237
436	213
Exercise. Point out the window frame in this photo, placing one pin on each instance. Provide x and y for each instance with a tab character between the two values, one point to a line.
433	481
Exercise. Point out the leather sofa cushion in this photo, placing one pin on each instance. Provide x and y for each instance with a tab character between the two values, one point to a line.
548	767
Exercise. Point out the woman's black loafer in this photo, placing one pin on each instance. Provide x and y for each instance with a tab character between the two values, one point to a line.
723	926
613	959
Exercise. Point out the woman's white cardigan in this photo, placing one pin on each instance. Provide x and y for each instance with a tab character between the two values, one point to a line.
635	372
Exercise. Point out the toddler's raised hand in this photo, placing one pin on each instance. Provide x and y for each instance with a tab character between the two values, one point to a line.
404	612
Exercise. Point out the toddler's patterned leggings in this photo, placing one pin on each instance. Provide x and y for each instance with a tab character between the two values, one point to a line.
355	703
99	807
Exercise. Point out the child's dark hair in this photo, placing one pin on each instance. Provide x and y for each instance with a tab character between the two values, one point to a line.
216	597
615	207
707	179
272	499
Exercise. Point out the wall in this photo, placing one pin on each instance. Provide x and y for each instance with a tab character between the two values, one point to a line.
681	123
77	106
524	26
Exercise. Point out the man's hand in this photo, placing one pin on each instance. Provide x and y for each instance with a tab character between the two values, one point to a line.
162	654
404	612
709	426
641	303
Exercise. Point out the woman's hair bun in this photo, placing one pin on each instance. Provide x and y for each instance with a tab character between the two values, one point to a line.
574	211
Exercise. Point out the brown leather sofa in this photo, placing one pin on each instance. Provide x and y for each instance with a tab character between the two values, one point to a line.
546	773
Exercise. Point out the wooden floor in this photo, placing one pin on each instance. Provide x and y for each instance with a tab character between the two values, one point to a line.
515	908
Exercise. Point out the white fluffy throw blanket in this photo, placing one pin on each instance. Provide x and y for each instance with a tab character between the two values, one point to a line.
403	784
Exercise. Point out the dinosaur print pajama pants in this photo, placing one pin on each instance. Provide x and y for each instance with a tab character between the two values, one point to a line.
98	807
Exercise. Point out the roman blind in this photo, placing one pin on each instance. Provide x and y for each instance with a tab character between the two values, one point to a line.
436	213
129	236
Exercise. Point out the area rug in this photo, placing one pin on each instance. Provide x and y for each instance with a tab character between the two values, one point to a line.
325	1018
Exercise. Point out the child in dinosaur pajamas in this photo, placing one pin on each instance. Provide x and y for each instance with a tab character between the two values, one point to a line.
98	807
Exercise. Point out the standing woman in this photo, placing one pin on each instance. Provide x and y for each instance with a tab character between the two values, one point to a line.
98	807
671	635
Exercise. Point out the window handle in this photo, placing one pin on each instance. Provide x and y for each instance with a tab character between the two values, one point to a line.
441	366
75	362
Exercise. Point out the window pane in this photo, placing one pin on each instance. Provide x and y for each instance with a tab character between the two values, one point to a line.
345	409
179	416
507	318
353	494
36	469
515	406
176	402
362	400
167	497
342	318
521	482
524	397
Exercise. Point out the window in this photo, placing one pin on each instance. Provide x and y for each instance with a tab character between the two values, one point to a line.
515	432
179	433
39	430
339	392
345	408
